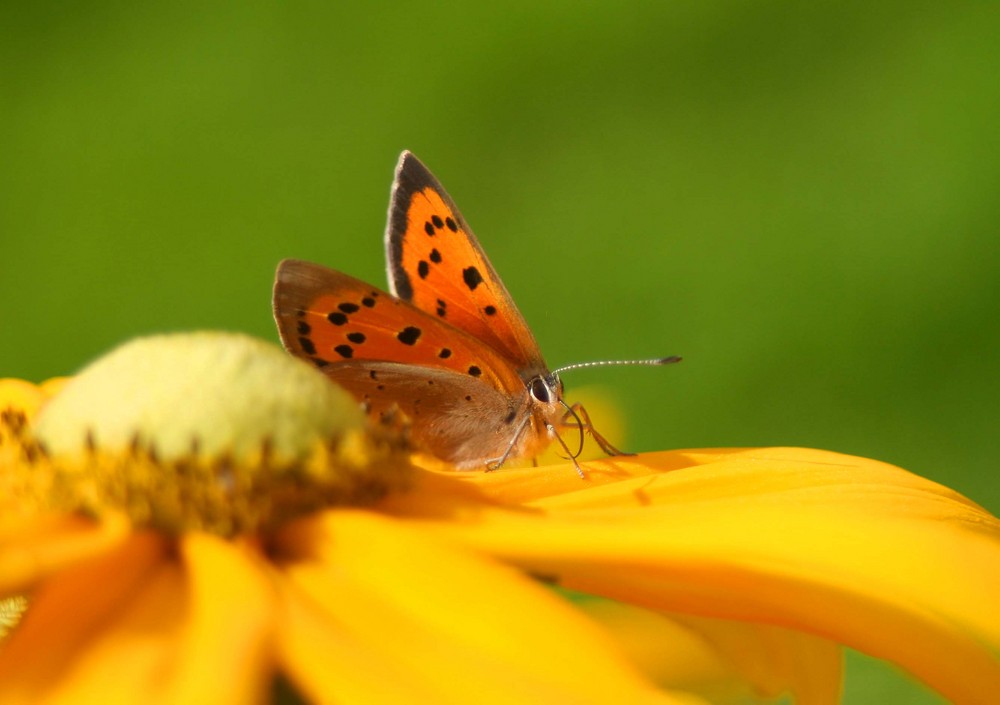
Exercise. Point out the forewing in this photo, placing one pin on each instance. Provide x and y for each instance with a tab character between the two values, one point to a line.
436	263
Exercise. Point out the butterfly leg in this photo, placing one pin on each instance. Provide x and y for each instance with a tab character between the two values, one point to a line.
569	453
578	412
497	463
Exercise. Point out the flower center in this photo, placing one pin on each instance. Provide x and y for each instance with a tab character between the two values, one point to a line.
224	495
214	432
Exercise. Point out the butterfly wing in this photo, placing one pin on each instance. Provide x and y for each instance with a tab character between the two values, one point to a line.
458	418
331	319
436	263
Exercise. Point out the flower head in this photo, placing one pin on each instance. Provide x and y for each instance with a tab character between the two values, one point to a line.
212	445
210	513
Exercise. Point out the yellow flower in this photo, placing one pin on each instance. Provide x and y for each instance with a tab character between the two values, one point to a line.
210	514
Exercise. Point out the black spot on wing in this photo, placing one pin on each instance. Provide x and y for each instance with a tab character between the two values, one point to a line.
307	346
344	351
472	278
356	338
336	318
409	335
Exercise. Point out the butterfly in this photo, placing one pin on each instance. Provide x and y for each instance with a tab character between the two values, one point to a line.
446	346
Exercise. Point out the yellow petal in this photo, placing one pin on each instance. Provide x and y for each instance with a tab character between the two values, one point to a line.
519	485
48	651
138	626
132	651
718	659
466	629
328	663
224	648
33	548
53	386
18	395
723	660
848	549
788	476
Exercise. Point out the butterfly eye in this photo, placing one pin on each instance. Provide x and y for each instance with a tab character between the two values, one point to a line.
540	390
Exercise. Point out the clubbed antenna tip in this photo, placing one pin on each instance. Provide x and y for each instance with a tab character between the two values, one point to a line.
607	363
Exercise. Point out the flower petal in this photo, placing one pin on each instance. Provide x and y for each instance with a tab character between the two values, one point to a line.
789	476
322	658
20	396
449	621
851	550
47	653
224	648
135	622
54	385
723	660
32	548
520	485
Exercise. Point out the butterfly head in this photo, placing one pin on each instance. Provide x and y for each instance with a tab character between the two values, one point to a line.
545	401
546	388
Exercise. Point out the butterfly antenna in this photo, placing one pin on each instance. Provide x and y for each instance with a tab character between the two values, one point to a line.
653	362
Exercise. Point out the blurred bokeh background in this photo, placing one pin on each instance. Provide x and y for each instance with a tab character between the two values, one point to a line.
799	198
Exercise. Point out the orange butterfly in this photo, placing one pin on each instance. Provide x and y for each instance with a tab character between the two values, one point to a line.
447	347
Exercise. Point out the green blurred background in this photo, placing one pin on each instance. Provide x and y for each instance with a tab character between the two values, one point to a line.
799	198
